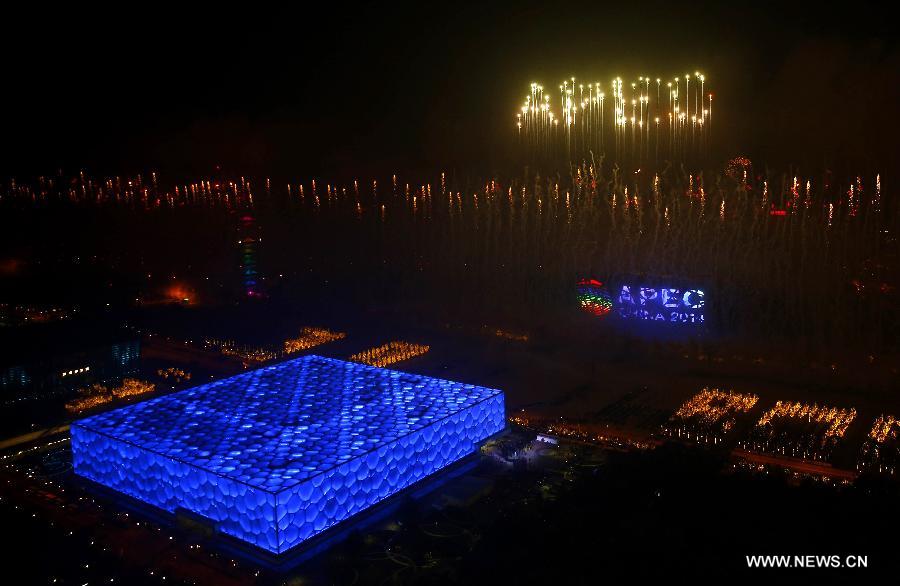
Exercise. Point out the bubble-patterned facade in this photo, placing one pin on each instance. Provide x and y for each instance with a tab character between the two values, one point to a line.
277	455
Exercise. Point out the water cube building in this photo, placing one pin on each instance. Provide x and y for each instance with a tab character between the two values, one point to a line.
278	455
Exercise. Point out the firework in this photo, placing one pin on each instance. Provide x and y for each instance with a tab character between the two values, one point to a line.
708	416
680	123
881	451
98	394
389	353
767	274
310	338
800	430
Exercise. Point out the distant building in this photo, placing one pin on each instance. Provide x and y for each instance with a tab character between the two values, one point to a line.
61	372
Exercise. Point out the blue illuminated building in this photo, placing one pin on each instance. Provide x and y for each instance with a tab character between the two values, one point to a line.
278	455
682	306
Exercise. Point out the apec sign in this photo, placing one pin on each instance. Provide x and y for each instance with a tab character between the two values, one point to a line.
683	306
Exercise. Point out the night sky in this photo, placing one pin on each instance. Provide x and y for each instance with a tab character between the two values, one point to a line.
341	91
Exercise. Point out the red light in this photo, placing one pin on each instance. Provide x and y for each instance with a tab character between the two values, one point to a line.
593	282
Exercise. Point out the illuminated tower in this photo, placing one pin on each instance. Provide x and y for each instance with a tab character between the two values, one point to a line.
248	241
